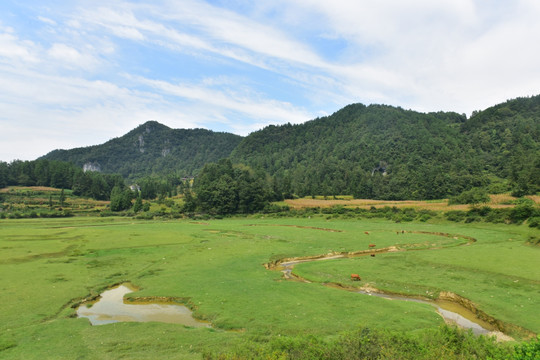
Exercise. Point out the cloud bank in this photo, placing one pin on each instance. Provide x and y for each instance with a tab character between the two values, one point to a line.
79	73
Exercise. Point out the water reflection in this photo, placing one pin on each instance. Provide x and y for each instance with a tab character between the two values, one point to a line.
111	308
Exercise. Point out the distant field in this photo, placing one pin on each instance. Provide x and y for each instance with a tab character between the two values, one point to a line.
499	201
29	188
49	265
41	198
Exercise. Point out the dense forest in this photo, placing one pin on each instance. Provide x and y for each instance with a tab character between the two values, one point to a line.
89	184
222	188
60	175
386	152
374	151
368	151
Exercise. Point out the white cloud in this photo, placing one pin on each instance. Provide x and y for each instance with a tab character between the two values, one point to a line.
226	27
47	20
240	63
127	32
65	53
14	49
444	55
249	105
63	112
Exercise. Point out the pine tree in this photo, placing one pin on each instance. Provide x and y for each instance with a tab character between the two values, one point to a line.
138	204
62	197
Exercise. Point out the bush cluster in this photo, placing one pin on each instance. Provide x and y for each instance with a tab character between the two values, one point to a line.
33	214
443	343
339	211
523	211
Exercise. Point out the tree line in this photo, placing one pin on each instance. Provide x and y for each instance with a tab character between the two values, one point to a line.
221	188
60	175
374	152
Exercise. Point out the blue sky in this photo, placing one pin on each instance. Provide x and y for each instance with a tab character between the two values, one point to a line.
78	73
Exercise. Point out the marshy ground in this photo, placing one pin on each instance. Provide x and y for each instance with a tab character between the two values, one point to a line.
215	267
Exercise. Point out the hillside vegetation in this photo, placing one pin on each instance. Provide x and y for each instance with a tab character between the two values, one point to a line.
389	153
374	152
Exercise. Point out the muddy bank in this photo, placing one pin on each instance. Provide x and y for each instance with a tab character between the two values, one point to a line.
273	265
498	325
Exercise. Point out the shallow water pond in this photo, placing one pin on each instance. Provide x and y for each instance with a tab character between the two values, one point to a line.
111	308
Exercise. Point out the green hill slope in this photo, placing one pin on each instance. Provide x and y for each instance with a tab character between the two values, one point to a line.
374	151
370	151
386	152
506	138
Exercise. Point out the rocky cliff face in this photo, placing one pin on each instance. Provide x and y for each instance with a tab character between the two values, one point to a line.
91	166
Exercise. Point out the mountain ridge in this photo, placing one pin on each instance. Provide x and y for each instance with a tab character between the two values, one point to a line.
417	155
152	148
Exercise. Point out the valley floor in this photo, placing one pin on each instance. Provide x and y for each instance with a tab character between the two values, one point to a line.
217	268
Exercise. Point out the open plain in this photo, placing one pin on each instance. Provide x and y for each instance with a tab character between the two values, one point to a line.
220	270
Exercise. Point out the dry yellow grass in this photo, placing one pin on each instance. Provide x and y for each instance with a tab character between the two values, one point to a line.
497	202
535	198
29	188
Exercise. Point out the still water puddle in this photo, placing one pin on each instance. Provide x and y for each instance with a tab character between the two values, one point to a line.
111	308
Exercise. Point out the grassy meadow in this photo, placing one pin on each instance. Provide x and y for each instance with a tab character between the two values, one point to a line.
49	266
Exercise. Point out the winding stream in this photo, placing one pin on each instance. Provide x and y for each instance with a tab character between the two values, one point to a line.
110	306
452	312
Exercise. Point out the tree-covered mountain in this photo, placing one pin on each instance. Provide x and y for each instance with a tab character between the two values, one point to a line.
385	152
371	151
152	148
374	151
506	138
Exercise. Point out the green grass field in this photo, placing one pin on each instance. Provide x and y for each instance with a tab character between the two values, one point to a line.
48	266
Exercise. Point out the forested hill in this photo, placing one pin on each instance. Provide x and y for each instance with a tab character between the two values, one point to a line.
386	152
506	138
152	148
374	151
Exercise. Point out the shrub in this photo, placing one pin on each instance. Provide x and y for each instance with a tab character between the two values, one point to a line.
365	343
424	217
473	196
534	222
497	216
275	208
145	216
521	212
455	215
527	350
